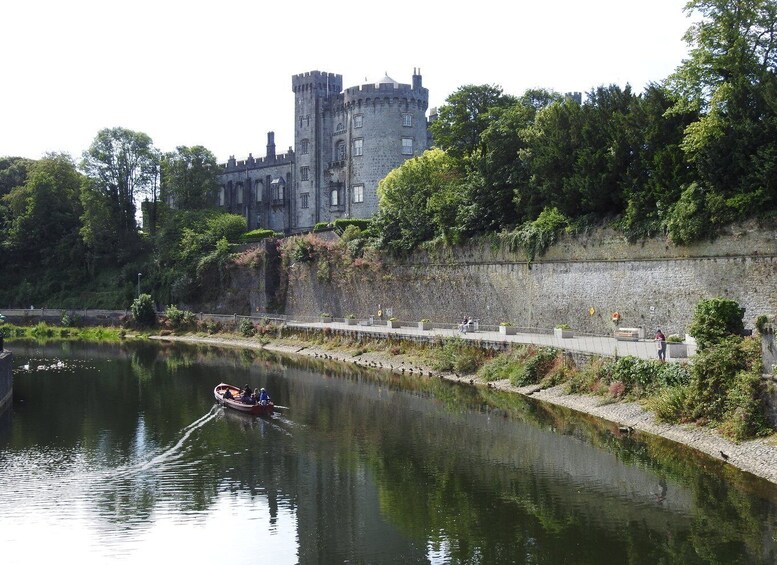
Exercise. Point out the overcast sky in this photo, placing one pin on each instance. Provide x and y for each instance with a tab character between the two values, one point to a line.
218	74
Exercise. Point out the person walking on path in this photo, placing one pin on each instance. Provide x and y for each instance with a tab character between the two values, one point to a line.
661	340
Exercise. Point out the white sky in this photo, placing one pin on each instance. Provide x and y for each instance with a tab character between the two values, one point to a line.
218	74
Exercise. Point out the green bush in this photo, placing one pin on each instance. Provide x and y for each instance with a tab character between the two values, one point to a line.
535	367
256	235
321	226
715	319
179	318
535	237
455	354
342	223
143	312
247	328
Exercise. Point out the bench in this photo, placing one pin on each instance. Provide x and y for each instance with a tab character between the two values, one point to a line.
627	334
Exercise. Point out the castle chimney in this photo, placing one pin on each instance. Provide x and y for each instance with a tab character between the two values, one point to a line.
270	145
417	78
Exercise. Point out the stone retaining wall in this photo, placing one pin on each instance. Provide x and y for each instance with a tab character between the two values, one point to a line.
6	380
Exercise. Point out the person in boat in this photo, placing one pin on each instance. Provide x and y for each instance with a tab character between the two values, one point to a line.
228	394
246	394
264	398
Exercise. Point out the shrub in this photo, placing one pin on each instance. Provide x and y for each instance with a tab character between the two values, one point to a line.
247	328
715	319
179	318
143	312
256	235
536	366
535	237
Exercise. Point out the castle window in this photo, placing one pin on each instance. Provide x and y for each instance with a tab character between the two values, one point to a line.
335	197
259	189
303	147
304	173
239	194
358	121
358	193
340	127
340	151
277	189
221	195
358	146
407	120
303	200
407	146
307	120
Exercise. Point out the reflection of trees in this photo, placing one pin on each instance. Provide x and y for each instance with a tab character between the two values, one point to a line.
487	474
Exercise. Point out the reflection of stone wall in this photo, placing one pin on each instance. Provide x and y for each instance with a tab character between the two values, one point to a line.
6	379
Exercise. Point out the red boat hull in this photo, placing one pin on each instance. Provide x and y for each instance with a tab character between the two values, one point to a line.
237	404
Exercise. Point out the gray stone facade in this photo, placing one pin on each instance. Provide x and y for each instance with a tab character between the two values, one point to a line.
345	142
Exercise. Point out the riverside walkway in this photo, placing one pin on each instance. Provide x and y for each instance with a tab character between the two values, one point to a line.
488	336
491	337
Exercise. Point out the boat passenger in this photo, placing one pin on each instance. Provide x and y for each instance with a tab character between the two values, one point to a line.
228	394
264	398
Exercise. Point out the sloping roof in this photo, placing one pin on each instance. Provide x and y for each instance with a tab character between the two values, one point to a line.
387	80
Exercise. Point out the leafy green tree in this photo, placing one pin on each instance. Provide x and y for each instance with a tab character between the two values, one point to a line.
123	165
189	178
13	173
716	319
464	116
659	170
410	213
44	214
143	311
729	78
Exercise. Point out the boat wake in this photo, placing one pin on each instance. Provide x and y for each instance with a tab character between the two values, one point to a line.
171	454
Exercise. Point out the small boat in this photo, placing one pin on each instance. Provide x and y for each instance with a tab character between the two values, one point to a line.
235	403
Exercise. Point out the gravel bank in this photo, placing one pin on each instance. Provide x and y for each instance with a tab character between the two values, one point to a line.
758	456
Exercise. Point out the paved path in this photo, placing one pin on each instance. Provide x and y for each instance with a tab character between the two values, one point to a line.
597	345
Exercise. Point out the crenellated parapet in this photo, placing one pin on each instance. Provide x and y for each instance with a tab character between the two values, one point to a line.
232	165
317	82
386	93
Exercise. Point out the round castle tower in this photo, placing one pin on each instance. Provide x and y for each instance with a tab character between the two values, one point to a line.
347	141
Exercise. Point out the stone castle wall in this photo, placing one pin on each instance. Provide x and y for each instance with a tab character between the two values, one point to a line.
6	379
581	281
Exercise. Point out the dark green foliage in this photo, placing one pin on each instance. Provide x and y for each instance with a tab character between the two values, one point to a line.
716	319
535	367
457	355
179	319
535	237
143	312
247	328
256	235
321	226
642	376
341	223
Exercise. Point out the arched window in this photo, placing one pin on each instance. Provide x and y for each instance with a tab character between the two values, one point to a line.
221	195
335	197
259	190
239	194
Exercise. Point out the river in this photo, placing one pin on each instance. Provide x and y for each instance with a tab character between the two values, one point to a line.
118	454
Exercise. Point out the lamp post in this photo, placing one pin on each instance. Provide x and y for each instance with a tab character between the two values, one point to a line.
139	284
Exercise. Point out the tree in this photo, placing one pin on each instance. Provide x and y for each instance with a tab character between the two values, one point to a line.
189	178
44	213
415	201
464	116
123	165
729	78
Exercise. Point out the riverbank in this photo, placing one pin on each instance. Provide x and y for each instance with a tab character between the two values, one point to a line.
758	456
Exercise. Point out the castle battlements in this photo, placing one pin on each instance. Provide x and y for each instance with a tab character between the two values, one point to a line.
317	80
252	162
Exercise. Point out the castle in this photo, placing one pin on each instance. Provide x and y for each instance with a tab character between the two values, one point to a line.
345	142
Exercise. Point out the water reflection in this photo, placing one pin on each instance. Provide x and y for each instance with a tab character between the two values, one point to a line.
129	458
